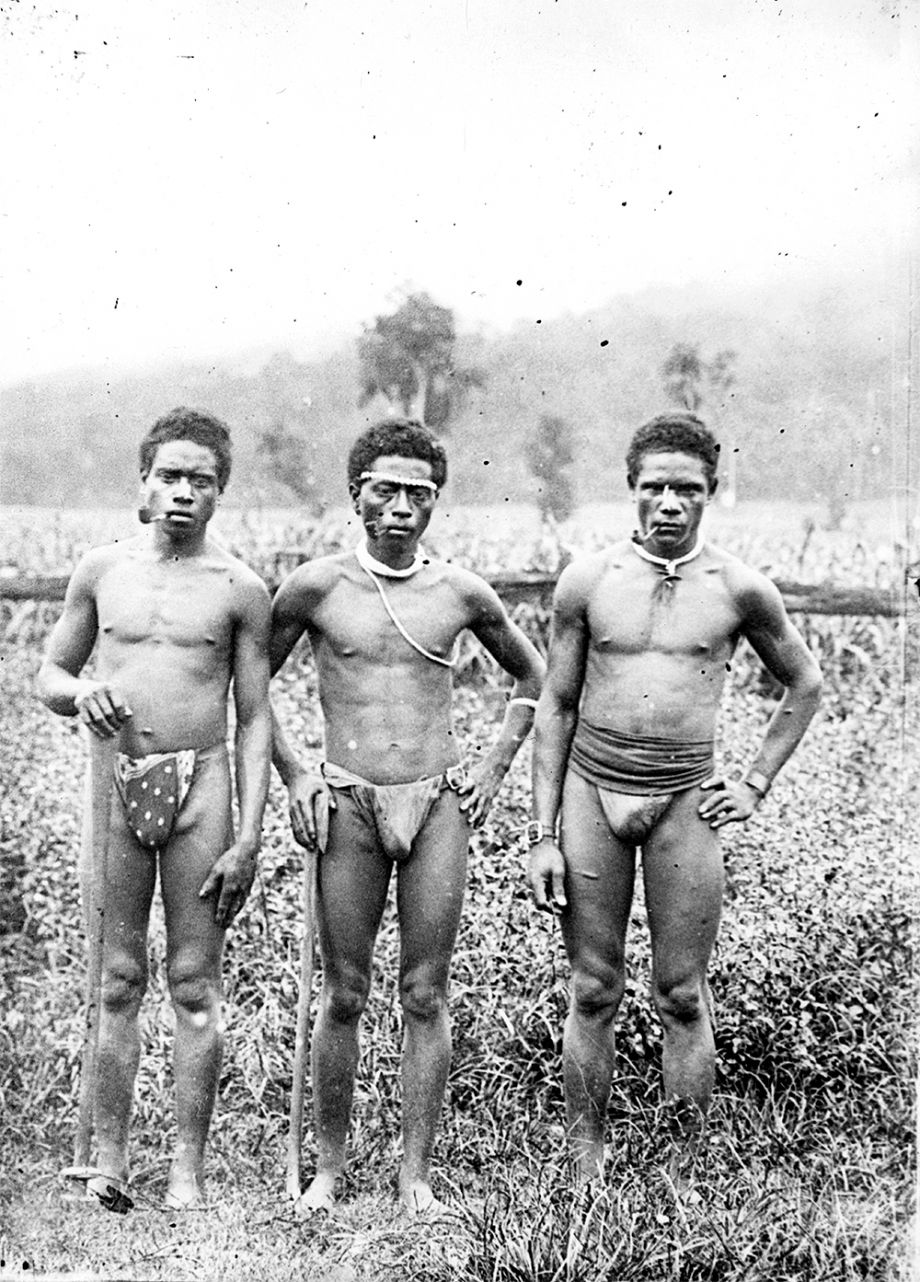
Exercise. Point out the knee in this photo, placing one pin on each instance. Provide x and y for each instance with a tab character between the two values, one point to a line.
345	998
193	990
679	1001
598	991
421	999
124	982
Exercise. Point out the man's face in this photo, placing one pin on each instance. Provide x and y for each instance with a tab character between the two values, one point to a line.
181	486
671	493
395	501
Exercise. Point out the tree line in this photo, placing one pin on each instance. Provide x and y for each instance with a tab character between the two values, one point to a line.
800	394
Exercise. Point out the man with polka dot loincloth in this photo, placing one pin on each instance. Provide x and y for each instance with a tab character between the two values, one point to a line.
176	620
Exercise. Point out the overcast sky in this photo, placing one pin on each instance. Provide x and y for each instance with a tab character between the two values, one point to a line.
186	179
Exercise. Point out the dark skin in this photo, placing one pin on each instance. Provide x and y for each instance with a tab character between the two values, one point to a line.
645	657
387	712
176	623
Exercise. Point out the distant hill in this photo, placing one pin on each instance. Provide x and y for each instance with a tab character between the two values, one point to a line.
813	412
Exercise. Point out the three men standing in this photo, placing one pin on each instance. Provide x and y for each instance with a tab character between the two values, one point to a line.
643	635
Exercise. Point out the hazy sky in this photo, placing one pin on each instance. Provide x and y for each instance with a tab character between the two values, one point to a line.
182	179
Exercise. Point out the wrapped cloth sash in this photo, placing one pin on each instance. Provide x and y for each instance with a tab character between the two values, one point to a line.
643	765
152	790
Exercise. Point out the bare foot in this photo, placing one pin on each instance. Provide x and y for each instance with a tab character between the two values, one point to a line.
185	1191
319	1196
111	1192
416	1198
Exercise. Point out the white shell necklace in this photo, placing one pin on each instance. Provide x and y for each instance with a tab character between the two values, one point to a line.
372	567
669	564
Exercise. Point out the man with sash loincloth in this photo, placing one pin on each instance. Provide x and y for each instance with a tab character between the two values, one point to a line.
176	620
383	621
643	635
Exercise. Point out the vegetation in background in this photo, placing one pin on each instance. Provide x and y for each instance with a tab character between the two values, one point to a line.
809	1172
701	387
693	383
284	455
408	358
550	452
600	370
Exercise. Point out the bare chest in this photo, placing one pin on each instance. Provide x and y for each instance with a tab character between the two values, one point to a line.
359	624
688	617
153	605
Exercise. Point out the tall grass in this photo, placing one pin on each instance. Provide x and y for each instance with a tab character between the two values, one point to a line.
808	1168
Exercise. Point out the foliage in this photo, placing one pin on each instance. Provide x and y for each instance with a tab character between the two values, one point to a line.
688	378
682	373
809	1165
284	454
601	370
550	452
408	357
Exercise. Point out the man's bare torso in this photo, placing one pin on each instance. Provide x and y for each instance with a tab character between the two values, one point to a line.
657	653
165	639
387	708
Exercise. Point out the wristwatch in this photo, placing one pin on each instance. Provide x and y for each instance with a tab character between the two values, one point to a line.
758	782
534	832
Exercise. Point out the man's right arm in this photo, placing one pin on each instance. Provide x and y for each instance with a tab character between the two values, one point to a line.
557	713
59	683
291	610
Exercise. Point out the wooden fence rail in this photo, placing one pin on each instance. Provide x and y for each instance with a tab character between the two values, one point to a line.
800	598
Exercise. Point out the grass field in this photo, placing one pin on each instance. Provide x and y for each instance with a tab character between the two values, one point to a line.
809	1172
784	537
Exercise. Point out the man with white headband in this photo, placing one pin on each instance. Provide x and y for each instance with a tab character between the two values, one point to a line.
383	621
643	635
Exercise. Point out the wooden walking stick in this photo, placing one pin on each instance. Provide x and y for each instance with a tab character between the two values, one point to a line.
302	1038
102	778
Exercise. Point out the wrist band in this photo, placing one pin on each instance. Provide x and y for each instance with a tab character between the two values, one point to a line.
519	698
535	832
758	782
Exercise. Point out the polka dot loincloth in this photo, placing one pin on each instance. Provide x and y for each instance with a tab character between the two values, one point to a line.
152	790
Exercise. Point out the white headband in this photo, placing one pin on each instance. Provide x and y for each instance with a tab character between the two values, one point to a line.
409	481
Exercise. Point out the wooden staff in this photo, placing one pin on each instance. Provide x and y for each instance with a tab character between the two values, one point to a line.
302	1039
101	780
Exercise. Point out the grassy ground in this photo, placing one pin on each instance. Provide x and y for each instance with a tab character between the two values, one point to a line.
809	1170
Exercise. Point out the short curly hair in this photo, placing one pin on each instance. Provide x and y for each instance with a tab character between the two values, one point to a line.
674	433
183	424
401	436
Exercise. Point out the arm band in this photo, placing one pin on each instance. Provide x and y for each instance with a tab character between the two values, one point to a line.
527	703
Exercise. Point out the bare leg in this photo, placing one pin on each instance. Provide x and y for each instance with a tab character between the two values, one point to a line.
599	887
682	867
194	950
352	881
430	899
130	882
